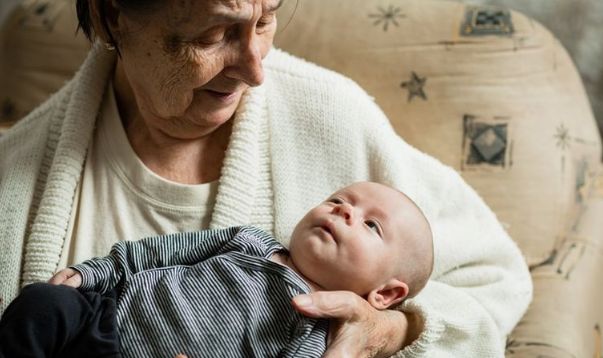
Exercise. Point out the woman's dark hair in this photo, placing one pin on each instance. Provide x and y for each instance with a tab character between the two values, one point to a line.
85	22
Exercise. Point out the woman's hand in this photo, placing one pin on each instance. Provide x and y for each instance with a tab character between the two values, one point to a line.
68	277
356	328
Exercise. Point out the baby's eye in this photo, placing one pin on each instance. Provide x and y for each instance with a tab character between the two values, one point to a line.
335	201
373	226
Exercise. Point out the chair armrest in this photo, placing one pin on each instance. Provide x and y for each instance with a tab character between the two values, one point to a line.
565	318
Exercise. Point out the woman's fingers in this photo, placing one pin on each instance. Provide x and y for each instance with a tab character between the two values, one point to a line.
342	305
356	328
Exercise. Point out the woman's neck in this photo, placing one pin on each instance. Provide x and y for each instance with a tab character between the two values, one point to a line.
192	161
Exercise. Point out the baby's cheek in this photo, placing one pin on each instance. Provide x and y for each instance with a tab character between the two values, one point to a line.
360	258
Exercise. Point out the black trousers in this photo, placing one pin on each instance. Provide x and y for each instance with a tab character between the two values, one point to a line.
59	321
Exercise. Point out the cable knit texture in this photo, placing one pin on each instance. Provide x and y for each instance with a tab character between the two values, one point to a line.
303	134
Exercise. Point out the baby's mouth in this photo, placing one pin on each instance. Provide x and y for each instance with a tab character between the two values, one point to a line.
328	228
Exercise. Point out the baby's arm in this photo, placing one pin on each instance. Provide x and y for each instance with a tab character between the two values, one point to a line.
102	274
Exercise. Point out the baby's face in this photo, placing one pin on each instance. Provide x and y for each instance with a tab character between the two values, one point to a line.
353	240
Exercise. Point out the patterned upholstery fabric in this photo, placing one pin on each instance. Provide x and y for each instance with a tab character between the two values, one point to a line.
39	53
487	91
491	93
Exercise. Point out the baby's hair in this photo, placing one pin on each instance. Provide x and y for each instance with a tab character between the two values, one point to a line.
413	272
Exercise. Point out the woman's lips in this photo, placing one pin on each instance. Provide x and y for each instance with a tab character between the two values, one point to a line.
222	96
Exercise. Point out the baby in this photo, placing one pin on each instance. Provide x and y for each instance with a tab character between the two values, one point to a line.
227	292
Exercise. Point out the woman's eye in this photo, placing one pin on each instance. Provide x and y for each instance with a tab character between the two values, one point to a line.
212	36
265	20
373	226
335	201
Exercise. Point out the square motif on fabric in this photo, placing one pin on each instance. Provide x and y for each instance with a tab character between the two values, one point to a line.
486	143
481	21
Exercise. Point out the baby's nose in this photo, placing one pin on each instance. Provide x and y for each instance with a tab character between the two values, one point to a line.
346	211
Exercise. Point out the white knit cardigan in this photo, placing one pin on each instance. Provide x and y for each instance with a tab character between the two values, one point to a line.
300	136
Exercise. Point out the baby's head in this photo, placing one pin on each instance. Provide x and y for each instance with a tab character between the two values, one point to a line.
367	238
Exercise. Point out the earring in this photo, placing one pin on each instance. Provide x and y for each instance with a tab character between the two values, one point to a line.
109	46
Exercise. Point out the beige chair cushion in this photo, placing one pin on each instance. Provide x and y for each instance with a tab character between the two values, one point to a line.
40	51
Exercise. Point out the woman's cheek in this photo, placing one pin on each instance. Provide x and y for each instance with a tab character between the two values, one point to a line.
206	61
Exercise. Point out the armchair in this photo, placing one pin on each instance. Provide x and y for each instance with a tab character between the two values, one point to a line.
488	91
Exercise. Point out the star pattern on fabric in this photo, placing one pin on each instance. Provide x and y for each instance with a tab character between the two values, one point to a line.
387	16
415	86
563	137
42	14
41	9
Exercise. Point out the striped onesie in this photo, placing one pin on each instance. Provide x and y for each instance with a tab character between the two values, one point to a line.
212	293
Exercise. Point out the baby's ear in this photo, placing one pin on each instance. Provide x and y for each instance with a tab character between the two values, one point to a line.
391	293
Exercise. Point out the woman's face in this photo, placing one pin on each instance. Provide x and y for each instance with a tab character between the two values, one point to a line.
188	62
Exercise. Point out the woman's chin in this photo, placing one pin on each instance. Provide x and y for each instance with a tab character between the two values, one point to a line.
214	111
210	119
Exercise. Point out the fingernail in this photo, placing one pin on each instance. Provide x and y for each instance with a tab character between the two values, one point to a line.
303	300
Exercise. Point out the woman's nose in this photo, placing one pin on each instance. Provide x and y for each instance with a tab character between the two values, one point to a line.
346	211
247	64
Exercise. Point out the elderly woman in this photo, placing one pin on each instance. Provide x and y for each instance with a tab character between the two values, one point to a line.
182	118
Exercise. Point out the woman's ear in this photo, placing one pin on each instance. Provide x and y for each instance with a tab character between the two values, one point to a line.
391	293
104	16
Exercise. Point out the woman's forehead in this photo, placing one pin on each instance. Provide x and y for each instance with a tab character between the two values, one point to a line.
238	4
197	11
192	7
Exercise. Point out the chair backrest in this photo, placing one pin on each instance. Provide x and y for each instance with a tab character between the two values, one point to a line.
487	91
492	94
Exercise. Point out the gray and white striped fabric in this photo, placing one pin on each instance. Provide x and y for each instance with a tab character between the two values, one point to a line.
211	293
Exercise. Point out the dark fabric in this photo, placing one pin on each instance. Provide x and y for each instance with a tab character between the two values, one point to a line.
59	321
